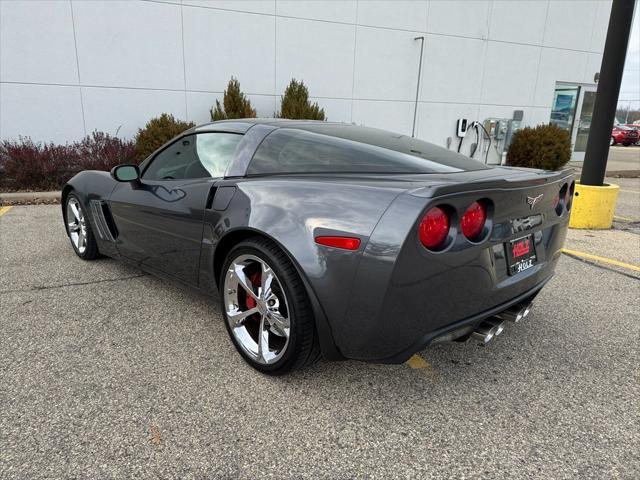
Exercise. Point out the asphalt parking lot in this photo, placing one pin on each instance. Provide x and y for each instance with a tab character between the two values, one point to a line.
106	372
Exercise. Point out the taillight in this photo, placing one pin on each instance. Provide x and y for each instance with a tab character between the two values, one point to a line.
473	220
434	228
346	243
562	194
569	197
556	204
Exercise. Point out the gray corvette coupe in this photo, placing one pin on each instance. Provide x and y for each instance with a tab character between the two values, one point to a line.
328	239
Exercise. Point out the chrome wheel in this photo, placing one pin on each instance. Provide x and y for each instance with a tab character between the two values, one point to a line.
76	225
256	308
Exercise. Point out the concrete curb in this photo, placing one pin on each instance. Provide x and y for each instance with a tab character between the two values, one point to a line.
25	198
624	174
610	173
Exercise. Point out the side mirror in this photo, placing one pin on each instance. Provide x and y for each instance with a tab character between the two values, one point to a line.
126	173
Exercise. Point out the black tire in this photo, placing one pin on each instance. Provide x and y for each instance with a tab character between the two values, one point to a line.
303	347
612	142
90	250
626	144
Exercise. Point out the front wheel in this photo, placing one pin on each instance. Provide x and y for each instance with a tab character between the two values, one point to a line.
626	144
612	142
266	308
79	229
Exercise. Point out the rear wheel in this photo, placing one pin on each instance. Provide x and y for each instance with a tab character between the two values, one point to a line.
266	308
79	229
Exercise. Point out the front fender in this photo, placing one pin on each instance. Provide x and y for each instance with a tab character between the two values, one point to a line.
92	185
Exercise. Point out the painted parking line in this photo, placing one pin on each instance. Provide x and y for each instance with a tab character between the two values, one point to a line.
418	362
630	191
624	219
4	210
596	258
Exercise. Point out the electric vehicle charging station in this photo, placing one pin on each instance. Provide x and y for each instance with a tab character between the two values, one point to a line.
492	137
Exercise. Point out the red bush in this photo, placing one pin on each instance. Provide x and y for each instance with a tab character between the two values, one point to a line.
26	165
100	151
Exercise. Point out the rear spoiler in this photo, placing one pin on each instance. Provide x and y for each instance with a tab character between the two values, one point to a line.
503	178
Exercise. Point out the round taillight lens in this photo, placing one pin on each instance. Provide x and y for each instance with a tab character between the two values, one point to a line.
434	228
556	204
569	196
473	220
564	195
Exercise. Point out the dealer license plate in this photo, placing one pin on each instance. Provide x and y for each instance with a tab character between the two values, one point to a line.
521	254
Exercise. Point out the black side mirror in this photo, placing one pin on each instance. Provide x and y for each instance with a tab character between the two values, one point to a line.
126	173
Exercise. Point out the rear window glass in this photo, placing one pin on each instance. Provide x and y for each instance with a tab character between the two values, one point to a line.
299	151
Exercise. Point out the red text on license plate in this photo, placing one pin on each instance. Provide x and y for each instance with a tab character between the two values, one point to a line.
521	248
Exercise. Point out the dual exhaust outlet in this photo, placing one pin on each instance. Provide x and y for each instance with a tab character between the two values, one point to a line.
494	326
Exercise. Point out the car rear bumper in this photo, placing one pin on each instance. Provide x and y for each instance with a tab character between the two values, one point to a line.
627	138
464	326
418	308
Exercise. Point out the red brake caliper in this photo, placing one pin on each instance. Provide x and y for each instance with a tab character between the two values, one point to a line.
256	279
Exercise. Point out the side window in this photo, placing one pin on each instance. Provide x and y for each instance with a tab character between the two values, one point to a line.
215	150
202	155
172	162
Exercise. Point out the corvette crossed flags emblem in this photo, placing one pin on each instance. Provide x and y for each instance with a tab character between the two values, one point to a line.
533	200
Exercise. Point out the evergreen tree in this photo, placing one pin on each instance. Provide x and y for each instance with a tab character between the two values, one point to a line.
234	104
296	105
157	132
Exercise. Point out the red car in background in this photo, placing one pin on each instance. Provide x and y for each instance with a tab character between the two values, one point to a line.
624	135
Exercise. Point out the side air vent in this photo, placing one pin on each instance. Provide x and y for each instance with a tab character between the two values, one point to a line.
103	221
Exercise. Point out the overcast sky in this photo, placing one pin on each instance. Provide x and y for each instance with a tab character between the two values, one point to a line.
630	89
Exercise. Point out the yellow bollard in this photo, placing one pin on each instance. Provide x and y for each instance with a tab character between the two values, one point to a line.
593	207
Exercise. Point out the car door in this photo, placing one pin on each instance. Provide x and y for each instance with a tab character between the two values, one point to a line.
159	219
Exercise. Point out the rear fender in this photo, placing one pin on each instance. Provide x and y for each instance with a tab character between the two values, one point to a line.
292	214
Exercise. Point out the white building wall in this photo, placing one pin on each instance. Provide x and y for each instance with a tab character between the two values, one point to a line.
68	67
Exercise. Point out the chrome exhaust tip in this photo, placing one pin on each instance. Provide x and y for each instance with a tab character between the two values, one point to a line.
515	313
499	326
488	330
